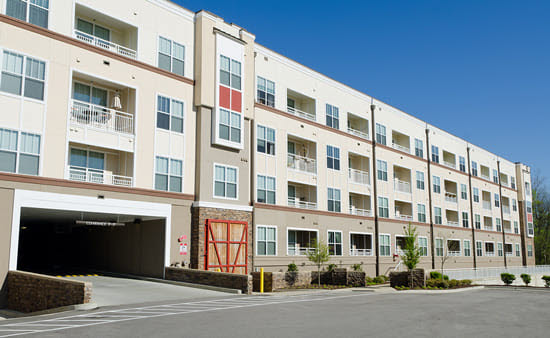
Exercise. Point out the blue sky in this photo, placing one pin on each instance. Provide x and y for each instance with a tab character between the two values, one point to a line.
477	69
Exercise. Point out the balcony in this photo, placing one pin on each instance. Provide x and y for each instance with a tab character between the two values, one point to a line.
302	196
402	186
487	223
360	212
487	205
302	155
507	225
300	242
506	209
450	197
453	247
360	252
360	205
300	105
403	211
358	176
401	142
82	174
98	29
110	120
402	179
449	159
297	203
358	126
452	218
485	172
302	163
360	244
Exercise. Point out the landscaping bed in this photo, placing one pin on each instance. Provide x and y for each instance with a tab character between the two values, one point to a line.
316	287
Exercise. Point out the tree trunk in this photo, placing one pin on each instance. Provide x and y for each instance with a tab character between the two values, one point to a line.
318	275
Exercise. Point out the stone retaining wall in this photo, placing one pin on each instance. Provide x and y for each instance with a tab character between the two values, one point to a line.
30	292
284	280
402	278
212	278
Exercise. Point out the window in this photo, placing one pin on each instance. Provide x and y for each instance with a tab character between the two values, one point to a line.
230	72
334	200
169	114
332	116
529	250
439	247
168	174
385	245
497	200
498	224
527	189
499	249
465	221
23	155
420	180
423	245
230	126
335	243
467	251
333	157
266	140
513	182
514	205
509	249
93	29
30	84
171	56
463	191
518	252
435	154
528	207
474	168
437	184
418	147
266	240
32	11
266	189
382	167
530	229
90	95
489	249
477	221
421	213
462	163
437	215
225	181
495	176
453	247
266	92
479	248
383	207
476	195
380	134
516	227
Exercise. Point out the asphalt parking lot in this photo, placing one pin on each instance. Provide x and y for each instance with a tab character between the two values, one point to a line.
477	313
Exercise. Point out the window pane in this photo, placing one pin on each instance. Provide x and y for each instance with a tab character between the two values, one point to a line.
224	63
224	78
261	248
231	175
231	190
7	161
84	26
34	89
38	16
81	92
30	143
261	195
179	51
271	248
235	82
235	67
161	182
235	135
12	63
177	108
176	168
178	66
177	124
163	121
11	83
99	97
35	69
235	120
17	9
164	62
8	139
271	197
162	165
220	173
175	184
165	46
96	160
78	158
219	189
28	164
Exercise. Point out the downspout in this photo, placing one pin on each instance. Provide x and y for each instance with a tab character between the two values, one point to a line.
502	216
430	196
375	183
472	209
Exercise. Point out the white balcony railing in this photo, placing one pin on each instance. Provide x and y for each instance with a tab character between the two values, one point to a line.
360	212
359	133
360	252
101	117
299	251
506	209
486	177
402	186
487	205
108	45
489	253
403	217
452	223
97	176
301	163
400	147
449	164
488	227
453	253
358	176
300	113
450	197
296	203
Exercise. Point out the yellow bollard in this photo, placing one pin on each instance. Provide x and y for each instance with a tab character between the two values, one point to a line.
261	280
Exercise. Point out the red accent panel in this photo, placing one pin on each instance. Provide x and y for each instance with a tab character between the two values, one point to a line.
236	101
529	218
225	97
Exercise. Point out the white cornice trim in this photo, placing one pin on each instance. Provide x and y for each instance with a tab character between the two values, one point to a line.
174	8
203	204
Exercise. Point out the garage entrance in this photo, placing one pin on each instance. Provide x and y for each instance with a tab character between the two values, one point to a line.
64	242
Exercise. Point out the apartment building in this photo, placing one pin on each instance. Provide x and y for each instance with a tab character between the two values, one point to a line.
135	135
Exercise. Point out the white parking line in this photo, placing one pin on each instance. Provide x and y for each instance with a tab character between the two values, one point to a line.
121	315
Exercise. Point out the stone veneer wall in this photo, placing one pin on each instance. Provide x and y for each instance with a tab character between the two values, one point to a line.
199	215
282	280
212	278
402	278
30	292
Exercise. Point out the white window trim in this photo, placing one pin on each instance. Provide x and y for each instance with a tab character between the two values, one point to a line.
164	36
482	249
214	181
276	240
494	249
169	174
256	141
379	244
257	187
340	201
18	150
460	253
464	247
171	98
298	229
427	245
361	233
4	11
378	206
435	247
398	236
341	243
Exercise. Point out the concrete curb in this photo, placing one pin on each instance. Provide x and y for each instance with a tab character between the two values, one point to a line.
9	314
431	292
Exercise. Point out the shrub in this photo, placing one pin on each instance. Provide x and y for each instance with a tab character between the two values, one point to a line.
369	280
331	267
507	278
453	283
379	280
385	278
546	280
465	282
357	267
435	275
292	267
526	278
445	277
434	283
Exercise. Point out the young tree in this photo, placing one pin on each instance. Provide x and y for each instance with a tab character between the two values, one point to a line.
411	252
444	255
319	255
541	218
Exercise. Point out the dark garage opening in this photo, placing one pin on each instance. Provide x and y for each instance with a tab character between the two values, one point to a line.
60	242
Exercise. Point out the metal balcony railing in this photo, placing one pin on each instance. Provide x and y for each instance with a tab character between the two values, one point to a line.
82	174
402	186
300	113
453	253
358	133
299	251
400	147
301	163
403	217
101	117
108	45
360	212
360	252
452	223
449	164
358	176
296	203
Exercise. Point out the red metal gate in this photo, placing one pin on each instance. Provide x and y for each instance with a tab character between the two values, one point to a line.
226	246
